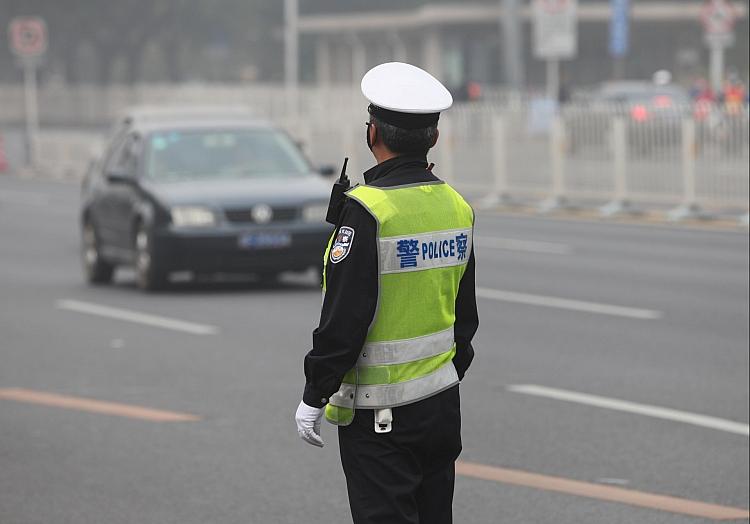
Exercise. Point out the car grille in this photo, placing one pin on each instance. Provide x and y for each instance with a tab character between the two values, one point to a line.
245	216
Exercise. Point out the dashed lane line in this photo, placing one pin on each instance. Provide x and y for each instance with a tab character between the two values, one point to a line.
631	497
685	417
136	317
94	406
569	304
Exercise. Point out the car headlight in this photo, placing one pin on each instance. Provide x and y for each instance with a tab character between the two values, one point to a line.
192	216
315	213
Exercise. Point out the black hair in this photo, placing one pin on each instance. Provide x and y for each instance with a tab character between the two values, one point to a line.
405	141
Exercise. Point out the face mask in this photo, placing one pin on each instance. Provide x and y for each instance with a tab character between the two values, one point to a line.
367	134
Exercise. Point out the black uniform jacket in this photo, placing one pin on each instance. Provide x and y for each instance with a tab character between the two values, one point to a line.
352	291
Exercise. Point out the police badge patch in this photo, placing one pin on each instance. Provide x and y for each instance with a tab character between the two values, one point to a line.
342	244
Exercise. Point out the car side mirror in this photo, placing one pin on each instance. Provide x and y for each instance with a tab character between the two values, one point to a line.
327	170
119	176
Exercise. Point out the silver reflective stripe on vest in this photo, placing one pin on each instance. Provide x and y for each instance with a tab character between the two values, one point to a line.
392	395
425	251
406	350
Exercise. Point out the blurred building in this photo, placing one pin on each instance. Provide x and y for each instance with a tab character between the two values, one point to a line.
241	41
462	43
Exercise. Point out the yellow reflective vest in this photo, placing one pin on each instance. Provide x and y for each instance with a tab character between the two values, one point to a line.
424	235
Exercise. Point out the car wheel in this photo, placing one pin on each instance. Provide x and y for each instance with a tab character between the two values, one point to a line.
149	276
95	268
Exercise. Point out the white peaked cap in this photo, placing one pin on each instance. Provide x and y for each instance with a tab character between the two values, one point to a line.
405	88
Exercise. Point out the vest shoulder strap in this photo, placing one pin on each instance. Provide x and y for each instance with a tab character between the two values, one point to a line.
376	200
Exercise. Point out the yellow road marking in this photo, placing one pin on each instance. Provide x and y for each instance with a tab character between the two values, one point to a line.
94	406
596	491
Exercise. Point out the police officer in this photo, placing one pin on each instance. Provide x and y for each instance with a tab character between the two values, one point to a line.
398	315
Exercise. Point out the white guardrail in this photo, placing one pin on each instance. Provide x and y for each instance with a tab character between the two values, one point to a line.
574	156
509	149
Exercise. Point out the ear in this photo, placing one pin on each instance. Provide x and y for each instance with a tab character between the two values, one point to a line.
437	135
373	130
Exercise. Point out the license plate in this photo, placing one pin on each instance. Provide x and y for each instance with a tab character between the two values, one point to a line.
265	240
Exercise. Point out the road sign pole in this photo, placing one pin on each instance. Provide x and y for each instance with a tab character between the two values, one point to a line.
32	112
553	78
717	67
618	68
512	43
718	18
28	41
291	54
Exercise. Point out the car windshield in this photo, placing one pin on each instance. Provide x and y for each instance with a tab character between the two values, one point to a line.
246	153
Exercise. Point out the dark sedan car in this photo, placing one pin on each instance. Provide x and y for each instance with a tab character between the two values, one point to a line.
205	192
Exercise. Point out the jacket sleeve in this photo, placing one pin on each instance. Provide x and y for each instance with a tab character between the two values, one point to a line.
349	306
467	318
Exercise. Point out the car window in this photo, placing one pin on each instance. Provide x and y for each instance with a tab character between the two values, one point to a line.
245	153
128	159
124	156
114	152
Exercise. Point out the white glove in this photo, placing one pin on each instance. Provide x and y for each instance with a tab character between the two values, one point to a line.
308	424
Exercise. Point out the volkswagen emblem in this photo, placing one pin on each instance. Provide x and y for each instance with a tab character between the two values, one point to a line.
262	214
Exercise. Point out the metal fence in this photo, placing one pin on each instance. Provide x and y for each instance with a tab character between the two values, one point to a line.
506	149
569	157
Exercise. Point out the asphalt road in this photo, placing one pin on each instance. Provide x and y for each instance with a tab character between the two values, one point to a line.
654	316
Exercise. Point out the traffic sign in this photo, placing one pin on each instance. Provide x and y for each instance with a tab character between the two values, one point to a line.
619	28
28	36
718	17
555	29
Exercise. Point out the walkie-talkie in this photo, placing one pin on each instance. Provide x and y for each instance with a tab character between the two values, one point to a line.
337	196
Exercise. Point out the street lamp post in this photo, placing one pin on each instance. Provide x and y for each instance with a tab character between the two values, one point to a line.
291	52
510	26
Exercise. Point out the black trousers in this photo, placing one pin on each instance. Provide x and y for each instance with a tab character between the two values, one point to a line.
405	476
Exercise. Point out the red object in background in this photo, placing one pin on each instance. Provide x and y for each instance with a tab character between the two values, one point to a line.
734	94
639	113
473	91
3	158
662	101
28	36
702	109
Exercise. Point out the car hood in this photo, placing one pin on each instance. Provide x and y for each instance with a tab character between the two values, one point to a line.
236	193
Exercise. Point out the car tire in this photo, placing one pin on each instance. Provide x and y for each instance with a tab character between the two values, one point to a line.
96	270
149	274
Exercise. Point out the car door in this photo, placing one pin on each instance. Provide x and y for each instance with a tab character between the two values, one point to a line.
124	193
103	198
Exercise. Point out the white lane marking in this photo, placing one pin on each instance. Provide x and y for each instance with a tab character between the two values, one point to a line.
565	303
529	246
730	426
137	317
